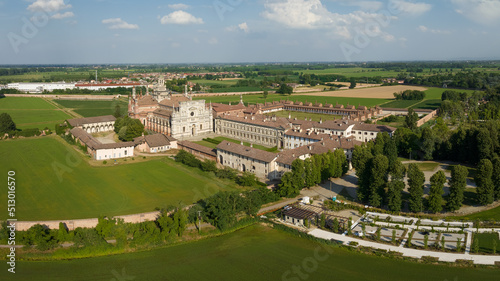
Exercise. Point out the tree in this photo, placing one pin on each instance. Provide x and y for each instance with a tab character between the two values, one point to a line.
285	187
459	244
6	123
457	183
62	233
117	113
496	177
353	84
476	245
298	179
485	189
411	120
436	193
378	180
180	221
416	181
265	94
426	241
394	195
427	143
284	89
335	225
361	156
393	236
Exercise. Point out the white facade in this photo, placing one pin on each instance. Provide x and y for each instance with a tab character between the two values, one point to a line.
114	153
192	118
40	87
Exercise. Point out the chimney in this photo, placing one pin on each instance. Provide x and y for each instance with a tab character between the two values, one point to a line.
241	142
321	120
251	144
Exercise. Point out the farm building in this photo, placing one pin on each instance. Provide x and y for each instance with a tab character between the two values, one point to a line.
94	124
155	143
297	216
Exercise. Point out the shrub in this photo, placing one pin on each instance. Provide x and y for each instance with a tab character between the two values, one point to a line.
104	162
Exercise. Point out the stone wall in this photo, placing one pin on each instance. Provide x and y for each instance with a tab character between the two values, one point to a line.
85	223
428	117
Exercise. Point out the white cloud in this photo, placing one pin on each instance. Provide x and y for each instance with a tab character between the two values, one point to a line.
48	6
425	29
481	11
411	8
311	14
59	16
213	41
118	23
178	6
243	26
180	17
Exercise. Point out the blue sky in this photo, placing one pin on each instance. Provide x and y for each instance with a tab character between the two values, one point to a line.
154	31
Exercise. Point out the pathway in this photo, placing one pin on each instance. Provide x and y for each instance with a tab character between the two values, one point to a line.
443	256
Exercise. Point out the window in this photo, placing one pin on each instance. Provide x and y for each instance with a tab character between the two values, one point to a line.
125	152
192	113
183	129
201	127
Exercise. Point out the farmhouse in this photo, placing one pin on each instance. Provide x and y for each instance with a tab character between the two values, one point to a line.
94	124
102	151
155	143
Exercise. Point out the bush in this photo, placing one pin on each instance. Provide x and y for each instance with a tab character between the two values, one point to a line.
390	118
226	173
104	162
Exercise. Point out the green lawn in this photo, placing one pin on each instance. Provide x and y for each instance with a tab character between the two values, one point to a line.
400	103
426	167
486	242
303	115
37	118
94	108
253	253
427	104
51	186
24	103
492	214
435	93
252	99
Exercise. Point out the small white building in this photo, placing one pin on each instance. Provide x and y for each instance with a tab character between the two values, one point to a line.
103	151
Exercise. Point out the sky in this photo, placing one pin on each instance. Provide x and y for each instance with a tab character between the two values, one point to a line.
232	31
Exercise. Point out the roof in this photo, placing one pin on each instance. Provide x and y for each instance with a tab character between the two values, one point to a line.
147	101
155	140
108	85
340	125
306	134
173	101
299	213
90	120
246	151
198	147
163	112
374	128
220	107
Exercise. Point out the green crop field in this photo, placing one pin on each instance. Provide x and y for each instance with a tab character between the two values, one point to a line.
486	242
252	99
435	93
253	253
303	115
32	112
400	103
55	182
94	108
427	104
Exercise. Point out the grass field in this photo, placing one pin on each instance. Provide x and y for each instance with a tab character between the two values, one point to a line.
303	115
400	103
253	253
427	104
486	242
54	182
32	112
253	99
94	108
354	72
492	214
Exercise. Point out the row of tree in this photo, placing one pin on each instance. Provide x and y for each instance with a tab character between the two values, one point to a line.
312	171
410	95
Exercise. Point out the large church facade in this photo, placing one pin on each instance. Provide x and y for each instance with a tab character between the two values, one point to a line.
174	115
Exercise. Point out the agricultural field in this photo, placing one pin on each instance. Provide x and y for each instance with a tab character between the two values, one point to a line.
401	103
61	76
379	92
253	253
427	104
354	72
253	99
94	108
56	182
32	112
